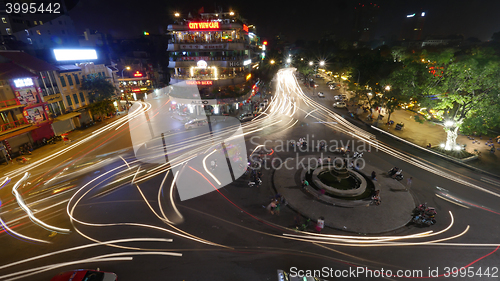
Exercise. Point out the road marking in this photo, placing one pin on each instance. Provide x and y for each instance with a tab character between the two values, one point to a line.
490	181
451	201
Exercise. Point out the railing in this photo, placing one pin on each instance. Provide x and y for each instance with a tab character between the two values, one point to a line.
9	103
13	125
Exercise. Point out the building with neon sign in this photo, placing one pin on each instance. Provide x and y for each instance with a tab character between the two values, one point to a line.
213	49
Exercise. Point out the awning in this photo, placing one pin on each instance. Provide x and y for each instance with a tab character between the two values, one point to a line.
17	133
67	116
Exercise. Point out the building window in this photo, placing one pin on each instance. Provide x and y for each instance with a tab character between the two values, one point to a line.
75	97
35	22
82	98
41	23
68	98
4	20
38	32
63	82
103	74
30	41
9	31
70	81
77	80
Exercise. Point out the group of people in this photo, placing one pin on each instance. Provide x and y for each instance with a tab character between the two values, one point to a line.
376	197
275	205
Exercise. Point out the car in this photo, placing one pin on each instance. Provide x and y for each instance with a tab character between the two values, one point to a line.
339	104
196	123
262	105
338	98
85	275
321	95
333	87
246	117
266	101
330	82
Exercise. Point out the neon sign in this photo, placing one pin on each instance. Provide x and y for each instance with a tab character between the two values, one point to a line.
245	28
204	25
198	82
201	64
137	74
25	82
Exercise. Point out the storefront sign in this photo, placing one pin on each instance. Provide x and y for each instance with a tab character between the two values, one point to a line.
202	47
53	98
25	82
35	115
204	25
201	64
194	58
245	28
27	96
235	63
200	82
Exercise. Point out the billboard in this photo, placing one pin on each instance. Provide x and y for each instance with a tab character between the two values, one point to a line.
75	54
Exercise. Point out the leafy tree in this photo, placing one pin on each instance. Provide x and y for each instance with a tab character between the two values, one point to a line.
99	88
102	107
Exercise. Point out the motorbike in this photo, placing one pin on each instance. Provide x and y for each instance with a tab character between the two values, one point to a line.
255	183
396	173
357	155
424	215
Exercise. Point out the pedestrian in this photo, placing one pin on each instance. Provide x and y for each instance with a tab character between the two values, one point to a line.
374	176
259	175
304	183
271	207
408	182
320	161
320	224
329	159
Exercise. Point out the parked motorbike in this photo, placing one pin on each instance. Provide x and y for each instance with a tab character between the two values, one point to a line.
396	173
423	215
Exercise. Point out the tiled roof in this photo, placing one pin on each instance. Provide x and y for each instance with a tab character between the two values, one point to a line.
10	70
27	61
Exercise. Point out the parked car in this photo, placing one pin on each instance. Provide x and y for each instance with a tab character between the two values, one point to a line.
196	123
85	275
339	104
321	95
246	117
338	98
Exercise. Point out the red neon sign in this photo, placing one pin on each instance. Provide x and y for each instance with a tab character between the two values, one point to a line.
204	25
137	74
264	43
198	82
136	90
245	28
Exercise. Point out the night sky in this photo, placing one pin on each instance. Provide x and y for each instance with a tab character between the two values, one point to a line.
304	20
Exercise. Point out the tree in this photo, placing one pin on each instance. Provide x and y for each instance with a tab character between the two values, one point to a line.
98	87
102	107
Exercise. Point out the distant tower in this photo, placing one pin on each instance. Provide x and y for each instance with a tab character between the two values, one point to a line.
366	18
413	26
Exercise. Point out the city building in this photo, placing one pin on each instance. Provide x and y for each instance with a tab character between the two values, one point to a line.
412	28
366	18
24	114
38	31
211	51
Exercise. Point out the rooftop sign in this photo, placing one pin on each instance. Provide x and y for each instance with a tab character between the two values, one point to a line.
204	25
75	54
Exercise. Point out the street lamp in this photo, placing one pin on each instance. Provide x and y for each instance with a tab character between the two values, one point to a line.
271	62
177	14
311	63
126	98
322	63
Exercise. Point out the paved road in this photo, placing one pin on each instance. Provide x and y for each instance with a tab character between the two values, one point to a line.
227	234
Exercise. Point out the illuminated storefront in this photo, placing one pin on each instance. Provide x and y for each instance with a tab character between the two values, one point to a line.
214	48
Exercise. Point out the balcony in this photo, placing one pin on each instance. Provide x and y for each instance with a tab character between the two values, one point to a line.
185	45
12	126
10	104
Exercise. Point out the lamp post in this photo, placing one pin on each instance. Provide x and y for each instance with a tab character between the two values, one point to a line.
126	98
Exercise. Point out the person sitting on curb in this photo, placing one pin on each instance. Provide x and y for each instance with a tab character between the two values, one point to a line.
374	176
376	198
304	183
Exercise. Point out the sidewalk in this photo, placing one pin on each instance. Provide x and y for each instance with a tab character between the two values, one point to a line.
49	149
422	134
397	203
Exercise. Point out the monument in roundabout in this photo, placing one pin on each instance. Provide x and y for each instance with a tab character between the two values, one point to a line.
334	179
